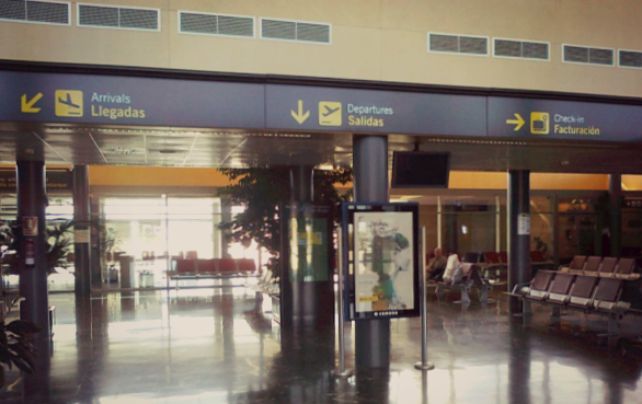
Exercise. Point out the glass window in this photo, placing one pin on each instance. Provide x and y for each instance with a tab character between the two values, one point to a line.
469	225
577	228
542	225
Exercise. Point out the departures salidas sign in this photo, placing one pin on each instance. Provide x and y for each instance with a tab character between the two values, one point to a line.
374	111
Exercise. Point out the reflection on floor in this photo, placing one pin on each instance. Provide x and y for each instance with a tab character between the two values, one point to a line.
216	346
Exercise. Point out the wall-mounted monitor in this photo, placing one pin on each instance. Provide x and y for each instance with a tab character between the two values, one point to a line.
420	169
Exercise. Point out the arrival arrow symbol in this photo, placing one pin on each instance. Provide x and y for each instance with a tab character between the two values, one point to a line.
299	115
29	106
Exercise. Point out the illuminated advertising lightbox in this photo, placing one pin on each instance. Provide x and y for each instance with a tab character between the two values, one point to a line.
381	261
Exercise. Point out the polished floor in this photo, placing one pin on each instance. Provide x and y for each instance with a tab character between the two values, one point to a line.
218	346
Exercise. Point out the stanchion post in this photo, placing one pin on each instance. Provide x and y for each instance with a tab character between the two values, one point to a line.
341	372
424	364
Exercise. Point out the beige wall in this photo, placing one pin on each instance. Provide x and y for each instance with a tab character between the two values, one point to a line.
382	40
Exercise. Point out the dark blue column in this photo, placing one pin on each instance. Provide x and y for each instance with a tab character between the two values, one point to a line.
615	196
81	231
370	165
95	252
32	201
302	184
519	236
307	294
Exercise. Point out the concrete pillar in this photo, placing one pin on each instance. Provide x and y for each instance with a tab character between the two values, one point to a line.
370	165
32	265
81	231
518	202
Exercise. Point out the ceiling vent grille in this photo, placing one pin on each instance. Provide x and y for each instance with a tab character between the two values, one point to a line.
118	17
467	45
520	49
582	54
138	18
630	59
213	24
47	12
295	31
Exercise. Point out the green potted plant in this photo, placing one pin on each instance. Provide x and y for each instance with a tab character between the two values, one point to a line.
58	244
16	348
262	191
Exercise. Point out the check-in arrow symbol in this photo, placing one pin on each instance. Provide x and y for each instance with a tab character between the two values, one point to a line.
29	105
299	115
518	122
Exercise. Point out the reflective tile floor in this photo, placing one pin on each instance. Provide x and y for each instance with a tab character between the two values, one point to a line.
217	346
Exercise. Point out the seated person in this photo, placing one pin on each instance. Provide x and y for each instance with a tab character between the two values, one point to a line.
436	266
453	272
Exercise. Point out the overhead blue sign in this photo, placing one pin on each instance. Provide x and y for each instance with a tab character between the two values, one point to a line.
115	100
118	100
563	120
373	111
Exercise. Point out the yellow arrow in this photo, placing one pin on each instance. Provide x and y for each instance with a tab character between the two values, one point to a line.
518	122
298	115
29	106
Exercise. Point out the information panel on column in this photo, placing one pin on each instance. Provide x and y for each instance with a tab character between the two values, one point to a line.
381	260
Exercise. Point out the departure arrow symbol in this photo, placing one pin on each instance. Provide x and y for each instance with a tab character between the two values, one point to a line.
299	115
29	106
518	122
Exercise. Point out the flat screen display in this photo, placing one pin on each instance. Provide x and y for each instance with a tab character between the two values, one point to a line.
420	169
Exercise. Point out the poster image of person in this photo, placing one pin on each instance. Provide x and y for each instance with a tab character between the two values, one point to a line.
384	261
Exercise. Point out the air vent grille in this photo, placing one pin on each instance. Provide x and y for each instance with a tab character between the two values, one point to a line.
508	48
295	31
443	43
278	29
48	12
601	56
312	32
213	24
236	26
100	16
118	17
470	45
138	18
13	10
630	59
582	54
535	50
520	49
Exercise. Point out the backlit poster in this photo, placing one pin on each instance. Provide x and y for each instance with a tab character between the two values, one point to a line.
382	260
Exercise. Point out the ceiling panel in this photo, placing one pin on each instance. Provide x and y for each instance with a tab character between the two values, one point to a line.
232	148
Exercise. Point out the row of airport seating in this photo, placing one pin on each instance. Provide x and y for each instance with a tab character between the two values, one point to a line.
579	291
211	268
498	257
590	284
607	267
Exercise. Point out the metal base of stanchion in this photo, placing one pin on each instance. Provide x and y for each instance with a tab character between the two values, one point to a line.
341	374
424	366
